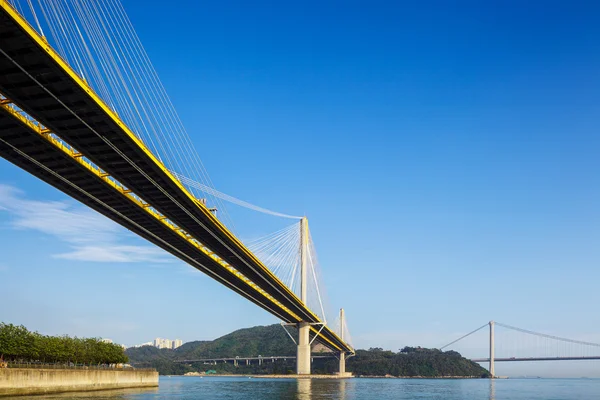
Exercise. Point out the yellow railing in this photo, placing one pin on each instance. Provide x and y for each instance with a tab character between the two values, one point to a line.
42	43
61	145
69	151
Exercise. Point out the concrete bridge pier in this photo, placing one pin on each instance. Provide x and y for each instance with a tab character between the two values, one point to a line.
303	349
342	363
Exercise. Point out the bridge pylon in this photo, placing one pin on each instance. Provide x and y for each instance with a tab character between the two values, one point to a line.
303	349
342	369
492	369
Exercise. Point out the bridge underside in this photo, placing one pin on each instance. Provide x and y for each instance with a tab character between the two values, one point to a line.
23	146
40	83
265	358
28	150
34	80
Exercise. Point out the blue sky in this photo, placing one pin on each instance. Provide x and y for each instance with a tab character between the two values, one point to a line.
445	154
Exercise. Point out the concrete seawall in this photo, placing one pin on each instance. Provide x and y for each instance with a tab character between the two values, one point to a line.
25	381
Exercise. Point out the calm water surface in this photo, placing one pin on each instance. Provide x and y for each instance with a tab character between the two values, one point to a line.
370	389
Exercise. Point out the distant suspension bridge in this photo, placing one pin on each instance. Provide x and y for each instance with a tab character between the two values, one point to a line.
525	345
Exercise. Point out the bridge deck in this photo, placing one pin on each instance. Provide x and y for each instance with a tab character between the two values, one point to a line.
536	359
60	100
41	83
253	358
24	147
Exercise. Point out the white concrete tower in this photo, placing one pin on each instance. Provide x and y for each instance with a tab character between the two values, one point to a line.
342	353
303	351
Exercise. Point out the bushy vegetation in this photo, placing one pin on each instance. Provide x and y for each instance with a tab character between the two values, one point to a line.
412	361
272	340
19	344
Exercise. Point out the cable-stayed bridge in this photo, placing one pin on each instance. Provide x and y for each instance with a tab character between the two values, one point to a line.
82	108
513	344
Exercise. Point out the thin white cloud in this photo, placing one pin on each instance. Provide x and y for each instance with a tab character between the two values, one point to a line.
114	254
91	236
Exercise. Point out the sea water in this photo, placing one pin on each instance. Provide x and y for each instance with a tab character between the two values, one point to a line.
184	388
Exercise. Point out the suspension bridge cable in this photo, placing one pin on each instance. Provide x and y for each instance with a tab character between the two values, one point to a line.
206	189
547	336
125	157
280	252
185	144
98	39
35	17
312	269
464	336
319	289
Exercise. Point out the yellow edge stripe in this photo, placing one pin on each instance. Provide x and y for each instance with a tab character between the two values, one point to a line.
68	150
106	178
65	66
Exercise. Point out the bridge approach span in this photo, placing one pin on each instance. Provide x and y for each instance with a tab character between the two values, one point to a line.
37	80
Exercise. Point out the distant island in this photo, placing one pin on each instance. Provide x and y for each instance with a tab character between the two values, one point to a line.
273	341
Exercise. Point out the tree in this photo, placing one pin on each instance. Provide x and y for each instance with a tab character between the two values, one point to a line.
17	343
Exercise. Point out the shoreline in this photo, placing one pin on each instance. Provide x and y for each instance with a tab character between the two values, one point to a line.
323	376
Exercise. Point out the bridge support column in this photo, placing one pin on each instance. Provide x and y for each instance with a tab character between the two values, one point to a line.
342	368
492	369
303	350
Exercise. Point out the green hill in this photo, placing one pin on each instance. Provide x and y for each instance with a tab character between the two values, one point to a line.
272	340
413	362
264	340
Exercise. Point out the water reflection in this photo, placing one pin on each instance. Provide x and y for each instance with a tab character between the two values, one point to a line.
304	389
492	389
322	388
342	388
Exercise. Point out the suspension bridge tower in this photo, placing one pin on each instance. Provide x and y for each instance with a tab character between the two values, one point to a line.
342	352
303	350
492	371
